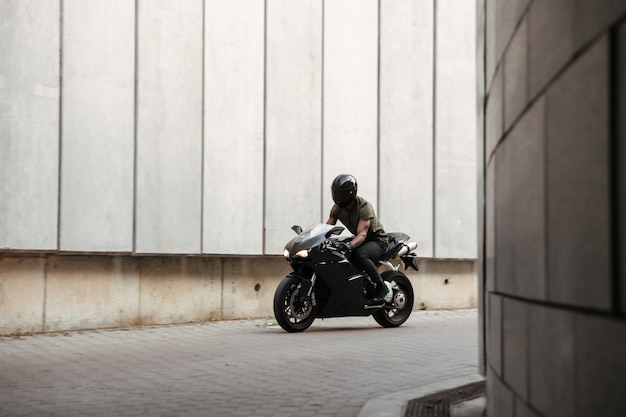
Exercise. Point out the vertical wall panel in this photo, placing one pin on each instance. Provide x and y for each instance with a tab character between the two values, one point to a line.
578	182
406	120
169	127
294	113
455	130
621	158
233	150
351	96
29	123
98	131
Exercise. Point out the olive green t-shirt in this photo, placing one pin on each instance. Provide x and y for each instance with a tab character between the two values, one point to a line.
362	210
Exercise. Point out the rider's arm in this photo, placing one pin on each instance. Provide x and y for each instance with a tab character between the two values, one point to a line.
331	220
361	232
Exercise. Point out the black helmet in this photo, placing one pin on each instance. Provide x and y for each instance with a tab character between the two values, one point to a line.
344	189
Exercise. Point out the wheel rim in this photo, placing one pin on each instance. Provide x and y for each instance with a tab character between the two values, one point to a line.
294	312
398	310
399	299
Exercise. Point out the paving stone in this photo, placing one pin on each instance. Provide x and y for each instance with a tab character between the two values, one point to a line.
249	367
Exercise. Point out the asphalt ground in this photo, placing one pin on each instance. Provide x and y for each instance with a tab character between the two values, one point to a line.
345	367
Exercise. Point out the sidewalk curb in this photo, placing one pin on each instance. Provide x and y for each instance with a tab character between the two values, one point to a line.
394	405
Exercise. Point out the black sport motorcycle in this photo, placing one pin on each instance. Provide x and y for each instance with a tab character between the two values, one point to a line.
325	283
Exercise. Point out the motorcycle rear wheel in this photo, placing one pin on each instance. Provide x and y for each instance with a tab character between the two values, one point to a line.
398	311
290	314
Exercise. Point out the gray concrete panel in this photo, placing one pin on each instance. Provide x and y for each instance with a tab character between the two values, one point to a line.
406	120
528	196
444	283
501	399
552	365
22	294
293	119
621	165
515	345
85	292
520	208
522	409
578	183
350	96
494	333
504	221
29	123
179	289
551	42
594	17
233	126
169	127
507	14
98	126
490	43
54	293
494	115
490	226
600	365
254	280
455	130
516	75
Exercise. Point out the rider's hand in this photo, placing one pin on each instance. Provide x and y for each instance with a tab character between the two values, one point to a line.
345	248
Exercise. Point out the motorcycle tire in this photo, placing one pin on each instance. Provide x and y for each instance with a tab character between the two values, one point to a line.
398	311
291	316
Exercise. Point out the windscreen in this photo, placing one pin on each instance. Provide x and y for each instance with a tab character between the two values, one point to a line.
315	232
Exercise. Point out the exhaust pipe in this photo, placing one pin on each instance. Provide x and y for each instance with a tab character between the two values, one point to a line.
406	248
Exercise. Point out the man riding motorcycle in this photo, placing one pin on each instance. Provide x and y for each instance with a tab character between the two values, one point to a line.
370	240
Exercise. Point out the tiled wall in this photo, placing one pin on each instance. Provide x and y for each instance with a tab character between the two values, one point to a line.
555	139
213	126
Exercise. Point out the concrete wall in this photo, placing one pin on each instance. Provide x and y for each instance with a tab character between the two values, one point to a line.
97	126
211	127
45	293
29	124
554	180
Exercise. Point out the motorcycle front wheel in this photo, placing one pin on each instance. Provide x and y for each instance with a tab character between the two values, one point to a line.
292	314
396	312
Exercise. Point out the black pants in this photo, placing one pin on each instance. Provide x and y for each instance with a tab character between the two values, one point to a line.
367	256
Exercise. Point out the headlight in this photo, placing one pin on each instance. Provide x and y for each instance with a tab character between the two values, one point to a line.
286	254
302	253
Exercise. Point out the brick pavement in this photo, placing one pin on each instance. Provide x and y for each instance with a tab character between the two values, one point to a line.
236	368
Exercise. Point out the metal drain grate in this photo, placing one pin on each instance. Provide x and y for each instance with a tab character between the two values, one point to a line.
438	404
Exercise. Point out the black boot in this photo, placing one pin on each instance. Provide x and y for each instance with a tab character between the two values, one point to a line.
381	291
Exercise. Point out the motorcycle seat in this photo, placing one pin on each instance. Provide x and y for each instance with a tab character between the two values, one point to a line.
396	241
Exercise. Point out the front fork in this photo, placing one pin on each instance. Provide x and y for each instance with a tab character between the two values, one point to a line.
306	288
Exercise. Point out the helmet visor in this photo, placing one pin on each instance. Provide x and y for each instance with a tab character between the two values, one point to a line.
342	197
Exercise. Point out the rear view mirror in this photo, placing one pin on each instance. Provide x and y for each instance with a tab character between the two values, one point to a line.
334	231
296	229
